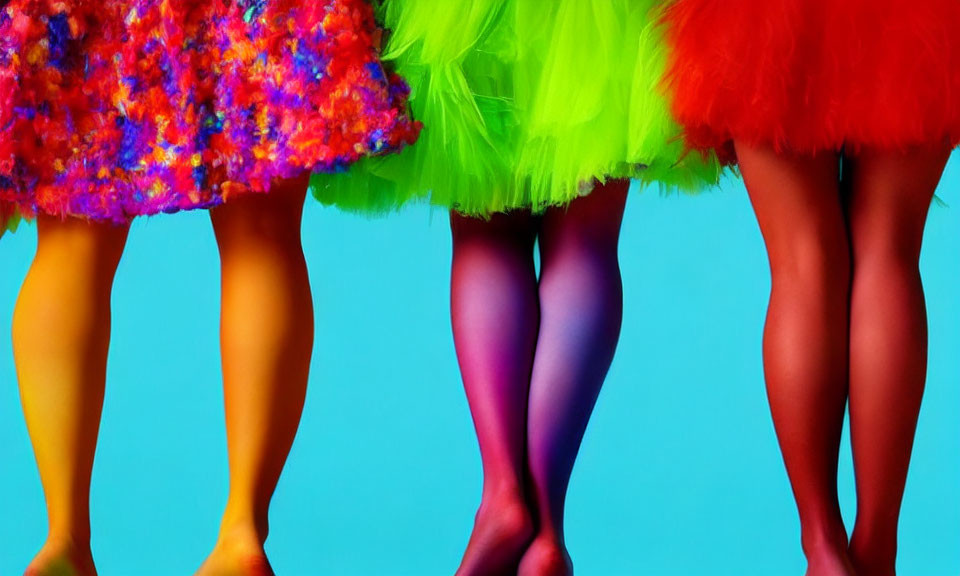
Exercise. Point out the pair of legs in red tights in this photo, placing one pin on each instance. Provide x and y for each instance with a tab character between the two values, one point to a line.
61	334
847	319
533	353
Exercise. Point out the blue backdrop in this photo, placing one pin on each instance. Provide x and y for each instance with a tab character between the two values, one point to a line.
679	473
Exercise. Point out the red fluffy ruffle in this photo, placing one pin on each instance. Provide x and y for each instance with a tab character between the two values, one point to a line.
814	75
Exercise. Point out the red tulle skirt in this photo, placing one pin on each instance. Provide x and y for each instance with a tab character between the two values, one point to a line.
814	75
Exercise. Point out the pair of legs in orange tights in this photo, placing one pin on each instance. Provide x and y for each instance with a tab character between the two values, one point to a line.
533	353
847	320
61	332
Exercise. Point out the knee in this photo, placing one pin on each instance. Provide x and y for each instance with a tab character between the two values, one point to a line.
78	248
886	248
70	282
815	262
260	220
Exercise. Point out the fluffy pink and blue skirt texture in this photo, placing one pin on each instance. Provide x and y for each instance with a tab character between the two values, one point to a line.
123	108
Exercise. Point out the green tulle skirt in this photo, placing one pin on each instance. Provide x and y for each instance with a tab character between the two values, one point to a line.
525	104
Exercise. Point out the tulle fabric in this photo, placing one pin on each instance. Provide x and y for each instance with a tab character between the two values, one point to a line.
9	218
814	75
299	86
524	105
121	108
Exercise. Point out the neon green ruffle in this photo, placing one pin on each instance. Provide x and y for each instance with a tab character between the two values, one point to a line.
524	104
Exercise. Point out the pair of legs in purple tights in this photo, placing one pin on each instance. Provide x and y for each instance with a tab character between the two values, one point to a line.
533	352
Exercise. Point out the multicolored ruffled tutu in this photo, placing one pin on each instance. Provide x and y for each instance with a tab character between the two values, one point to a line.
814	75
121	108
524	105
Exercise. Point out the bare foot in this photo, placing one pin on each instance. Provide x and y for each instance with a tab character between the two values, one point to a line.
501	532
62	559
546	557
829	563
237	553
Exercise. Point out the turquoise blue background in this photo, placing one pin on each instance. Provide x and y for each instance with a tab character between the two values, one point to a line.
679	473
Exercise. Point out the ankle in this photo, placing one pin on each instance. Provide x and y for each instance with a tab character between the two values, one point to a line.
502	530
503	490
875	557
68	530
75	541
243	529
550	538
871	567
509	511
62	555
549	520
239	551
546	556
508	495
824	539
